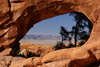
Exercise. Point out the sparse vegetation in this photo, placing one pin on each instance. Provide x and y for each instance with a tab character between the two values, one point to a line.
81	43
59	45
71	45
24	53
64	34
15	52
48	52
82	28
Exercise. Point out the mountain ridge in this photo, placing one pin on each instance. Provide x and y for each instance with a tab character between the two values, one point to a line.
41	37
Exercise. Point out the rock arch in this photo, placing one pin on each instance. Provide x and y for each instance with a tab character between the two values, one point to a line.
18	16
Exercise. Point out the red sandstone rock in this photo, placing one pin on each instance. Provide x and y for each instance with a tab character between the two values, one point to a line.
28	62
17	62
6	52
18	16
74	57
25	45
38	50
4	61
8	60
32	62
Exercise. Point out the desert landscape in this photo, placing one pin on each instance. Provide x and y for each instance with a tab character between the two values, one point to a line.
18	16
41	42
43	39
32	55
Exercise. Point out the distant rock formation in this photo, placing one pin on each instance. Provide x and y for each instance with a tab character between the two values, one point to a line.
42	37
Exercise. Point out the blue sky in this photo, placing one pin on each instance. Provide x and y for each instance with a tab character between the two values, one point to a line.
52	26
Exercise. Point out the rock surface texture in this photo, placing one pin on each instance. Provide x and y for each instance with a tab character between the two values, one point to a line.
18	16
37	50
9	61
61	58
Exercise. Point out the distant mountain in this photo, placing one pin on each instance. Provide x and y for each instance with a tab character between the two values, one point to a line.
41	37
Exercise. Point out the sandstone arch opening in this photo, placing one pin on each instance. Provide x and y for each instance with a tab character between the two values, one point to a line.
37	43
63	20
17	21
19	17
51	28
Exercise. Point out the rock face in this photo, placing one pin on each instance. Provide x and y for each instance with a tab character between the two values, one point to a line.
73	57
38	50
9	61
32	62
18	16
85	56
6	52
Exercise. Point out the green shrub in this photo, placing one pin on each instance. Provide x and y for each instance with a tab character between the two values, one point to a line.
48	52
59	45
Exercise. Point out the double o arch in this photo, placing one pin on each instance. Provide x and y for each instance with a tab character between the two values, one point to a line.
18	16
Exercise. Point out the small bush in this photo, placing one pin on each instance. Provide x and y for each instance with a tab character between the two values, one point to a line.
71	45
81	43
15	52
59	45
30	54
48	52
